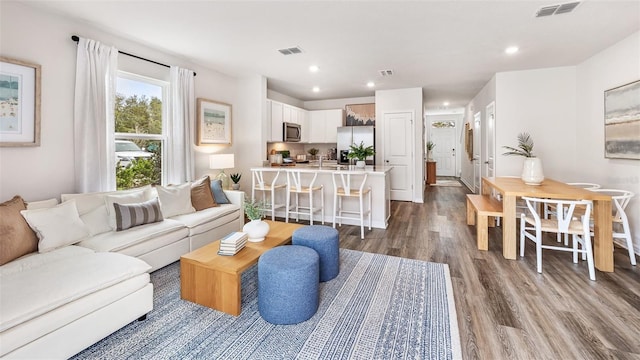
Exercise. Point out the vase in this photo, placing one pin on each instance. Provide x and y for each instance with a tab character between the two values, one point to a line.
360	164
256	230
532	171
235	186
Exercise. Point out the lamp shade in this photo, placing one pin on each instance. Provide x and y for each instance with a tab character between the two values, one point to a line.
221	161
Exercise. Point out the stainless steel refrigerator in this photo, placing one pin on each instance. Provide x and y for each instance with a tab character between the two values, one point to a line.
348	135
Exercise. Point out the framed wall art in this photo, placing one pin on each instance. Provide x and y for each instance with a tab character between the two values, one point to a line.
19	103
622	122
214	123
360	115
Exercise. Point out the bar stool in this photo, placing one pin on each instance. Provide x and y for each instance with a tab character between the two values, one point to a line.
345	185
259	184
295	185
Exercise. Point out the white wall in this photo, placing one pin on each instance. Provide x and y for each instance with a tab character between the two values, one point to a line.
615	66
401	100
337	103
274	95
47	171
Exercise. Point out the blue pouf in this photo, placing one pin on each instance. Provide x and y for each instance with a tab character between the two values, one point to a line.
324	240
288	286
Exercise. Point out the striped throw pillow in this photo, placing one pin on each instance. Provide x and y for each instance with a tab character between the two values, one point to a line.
130	215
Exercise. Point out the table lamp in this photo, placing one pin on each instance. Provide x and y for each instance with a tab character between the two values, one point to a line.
221	162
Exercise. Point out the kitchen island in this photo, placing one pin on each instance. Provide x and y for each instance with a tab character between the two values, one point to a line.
377	179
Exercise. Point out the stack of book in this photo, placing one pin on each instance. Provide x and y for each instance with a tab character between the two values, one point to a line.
232	243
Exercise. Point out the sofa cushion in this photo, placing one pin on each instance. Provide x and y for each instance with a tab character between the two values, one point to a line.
57	226
206	215
119	240
16	237
218	193
42	204
128	216
201	195
35	259
31	293
175	199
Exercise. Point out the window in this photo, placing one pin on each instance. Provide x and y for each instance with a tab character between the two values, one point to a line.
140	113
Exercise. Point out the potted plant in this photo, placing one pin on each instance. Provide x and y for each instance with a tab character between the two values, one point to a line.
532	168
313	152
256	229
236	181
360	152
430	146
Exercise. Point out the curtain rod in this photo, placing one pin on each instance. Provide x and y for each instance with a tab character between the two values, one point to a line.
76	39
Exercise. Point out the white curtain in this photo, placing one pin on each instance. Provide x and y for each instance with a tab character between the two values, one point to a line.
179	162
93	116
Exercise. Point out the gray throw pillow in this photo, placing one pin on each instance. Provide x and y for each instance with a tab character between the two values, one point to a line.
218	194
130	215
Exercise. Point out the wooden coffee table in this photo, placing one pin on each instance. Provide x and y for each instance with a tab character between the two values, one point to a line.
212	280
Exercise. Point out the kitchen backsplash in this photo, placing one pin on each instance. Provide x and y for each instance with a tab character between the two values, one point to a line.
300	149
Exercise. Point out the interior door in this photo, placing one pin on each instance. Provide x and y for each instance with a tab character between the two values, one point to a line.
477	120
398	145
489	136
444	154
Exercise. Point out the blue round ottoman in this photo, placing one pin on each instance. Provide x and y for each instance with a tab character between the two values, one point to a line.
324	240
288	286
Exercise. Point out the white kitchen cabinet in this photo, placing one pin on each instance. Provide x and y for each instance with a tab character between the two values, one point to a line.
279	113
276	121
316	126
303	120
333	120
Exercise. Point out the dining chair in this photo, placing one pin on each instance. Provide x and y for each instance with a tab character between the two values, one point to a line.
620	199
532	226
267	187
549	210
351	184
299	182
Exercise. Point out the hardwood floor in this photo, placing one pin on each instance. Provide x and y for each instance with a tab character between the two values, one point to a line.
505	309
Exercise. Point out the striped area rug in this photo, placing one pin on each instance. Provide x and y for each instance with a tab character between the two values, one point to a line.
379	307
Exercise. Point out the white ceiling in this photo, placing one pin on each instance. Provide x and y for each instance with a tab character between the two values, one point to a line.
449	48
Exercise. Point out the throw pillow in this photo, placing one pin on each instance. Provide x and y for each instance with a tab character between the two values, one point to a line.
127	198
201	195
128	216
16	237
57	226
218	193
175	200
42	204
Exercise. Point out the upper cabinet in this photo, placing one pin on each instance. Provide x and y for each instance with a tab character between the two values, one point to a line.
324	125
276	121
281	113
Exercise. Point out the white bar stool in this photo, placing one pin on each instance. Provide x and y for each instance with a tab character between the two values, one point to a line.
295	179
345	185
259	184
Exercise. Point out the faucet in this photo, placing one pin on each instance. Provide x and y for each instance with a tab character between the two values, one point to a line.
320	164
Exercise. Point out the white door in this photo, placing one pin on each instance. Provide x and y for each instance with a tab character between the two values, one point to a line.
398	145
444	154
489	135
477	119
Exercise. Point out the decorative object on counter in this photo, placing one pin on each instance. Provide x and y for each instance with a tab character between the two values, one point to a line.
532	168
313	152
221	162
214	123
360	152
621	121
256	229
430	146
21	120
361	115
236	181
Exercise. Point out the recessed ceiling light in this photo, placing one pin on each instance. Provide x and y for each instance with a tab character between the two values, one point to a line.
314	68
371	84
446	103
316	89
511	50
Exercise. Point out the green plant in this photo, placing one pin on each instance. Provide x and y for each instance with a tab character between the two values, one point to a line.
313	151
235	177
430	145
360	152
525	146
253	209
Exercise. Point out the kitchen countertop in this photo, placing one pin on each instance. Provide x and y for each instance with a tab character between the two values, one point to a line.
329	168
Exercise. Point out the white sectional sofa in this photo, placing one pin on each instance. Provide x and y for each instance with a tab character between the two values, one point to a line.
56	303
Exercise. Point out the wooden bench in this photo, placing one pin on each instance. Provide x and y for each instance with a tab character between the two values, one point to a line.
484	206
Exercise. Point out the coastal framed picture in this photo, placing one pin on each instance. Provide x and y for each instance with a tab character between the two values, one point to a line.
622	122
360	115
214	123
19	103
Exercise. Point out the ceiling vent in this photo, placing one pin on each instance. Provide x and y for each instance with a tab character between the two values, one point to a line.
557	9
291	51
385	72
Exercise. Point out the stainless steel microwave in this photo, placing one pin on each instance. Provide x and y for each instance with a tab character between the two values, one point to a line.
291	132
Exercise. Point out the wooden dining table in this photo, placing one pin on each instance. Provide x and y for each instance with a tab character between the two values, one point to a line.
511	188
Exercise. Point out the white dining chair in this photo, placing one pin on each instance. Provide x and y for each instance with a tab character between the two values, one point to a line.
549	210
620	199
532	225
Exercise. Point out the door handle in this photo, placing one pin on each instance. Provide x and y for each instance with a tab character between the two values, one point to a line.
486	162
